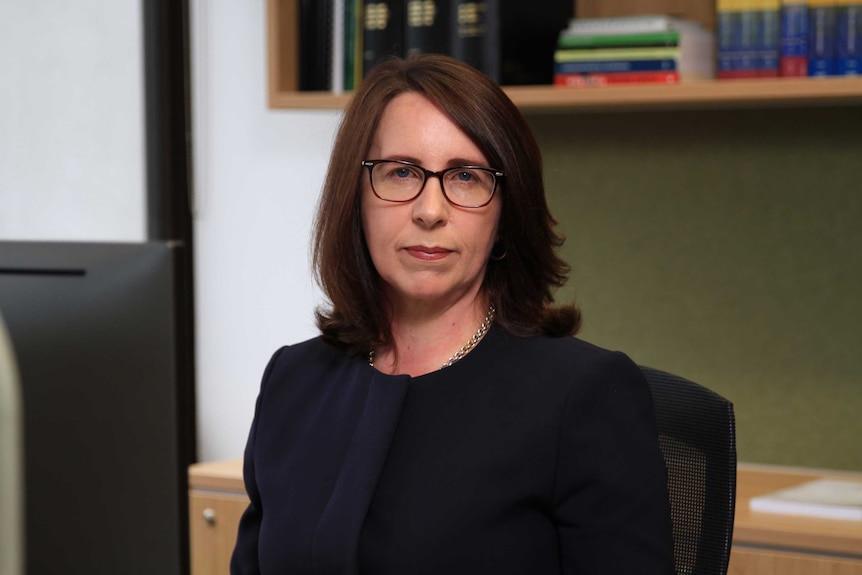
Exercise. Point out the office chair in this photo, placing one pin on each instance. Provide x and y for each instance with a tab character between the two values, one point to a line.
697	436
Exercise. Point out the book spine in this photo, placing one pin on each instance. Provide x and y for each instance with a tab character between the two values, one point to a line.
474	37
337	47
848	61
821	37
794	38
748	39
383	32
359	38
350	38
615	54
426	27
315	44
768	36
599	79
607	66
654	40
727	16
622	25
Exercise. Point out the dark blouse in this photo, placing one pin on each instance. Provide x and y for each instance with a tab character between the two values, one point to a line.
530	455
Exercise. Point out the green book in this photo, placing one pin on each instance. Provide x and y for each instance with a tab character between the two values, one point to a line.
652	39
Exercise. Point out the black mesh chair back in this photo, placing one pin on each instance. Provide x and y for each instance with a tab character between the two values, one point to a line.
697	435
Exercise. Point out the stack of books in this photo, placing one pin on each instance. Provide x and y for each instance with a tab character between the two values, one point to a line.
768	38
654	49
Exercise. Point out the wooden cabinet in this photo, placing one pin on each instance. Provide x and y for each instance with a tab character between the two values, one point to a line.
763	544
217	500
282	47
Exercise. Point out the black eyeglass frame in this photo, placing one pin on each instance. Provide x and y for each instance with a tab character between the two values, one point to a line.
495	173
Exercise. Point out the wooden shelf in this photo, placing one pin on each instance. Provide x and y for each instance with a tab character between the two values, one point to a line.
703	94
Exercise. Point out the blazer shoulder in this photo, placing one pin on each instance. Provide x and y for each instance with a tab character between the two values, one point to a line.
574	354
305	355
310	362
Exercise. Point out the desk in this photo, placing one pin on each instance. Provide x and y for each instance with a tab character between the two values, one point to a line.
763	544
767	544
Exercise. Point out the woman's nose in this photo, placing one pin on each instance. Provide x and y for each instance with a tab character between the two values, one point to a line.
431	207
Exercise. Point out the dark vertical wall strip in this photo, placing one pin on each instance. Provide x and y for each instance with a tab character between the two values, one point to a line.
169	187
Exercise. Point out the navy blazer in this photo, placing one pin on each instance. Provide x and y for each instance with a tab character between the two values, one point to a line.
530	455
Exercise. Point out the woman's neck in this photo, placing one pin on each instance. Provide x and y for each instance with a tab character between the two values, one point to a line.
424	339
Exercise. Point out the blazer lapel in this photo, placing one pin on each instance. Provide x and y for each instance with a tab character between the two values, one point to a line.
337	535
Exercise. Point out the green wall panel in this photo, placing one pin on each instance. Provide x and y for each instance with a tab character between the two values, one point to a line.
725	246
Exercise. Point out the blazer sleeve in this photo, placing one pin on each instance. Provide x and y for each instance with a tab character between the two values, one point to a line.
244	560
611	502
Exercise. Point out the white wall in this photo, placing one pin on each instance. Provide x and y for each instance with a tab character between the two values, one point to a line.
71	120
257	177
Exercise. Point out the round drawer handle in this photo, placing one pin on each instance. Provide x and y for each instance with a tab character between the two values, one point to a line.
209	516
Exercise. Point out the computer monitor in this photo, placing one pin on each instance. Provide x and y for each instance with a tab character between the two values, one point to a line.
94	331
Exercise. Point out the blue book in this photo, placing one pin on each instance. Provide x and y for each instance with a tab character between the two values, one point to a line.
848	39
607	66
822	21
747	38
726	25
768	38
794	38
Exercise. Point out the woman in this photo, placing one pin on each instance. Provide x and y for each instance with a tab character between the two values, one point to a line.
444	422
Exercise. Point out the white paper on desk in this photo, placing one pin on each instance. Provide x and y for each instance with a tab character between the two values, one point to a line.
828	498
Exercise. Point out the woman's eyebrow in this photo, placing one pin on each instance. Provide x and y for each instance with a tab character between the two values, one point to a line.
451	163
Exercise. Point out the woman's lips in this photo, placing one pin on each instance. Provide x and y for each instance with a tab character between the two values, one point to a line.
428	253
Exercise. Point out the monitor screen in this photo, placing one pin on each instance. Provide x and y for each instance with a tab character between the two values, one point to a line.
93	329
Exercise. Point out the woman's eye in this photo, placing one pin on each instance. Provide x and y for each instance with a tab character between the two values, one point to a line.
401	173
463	178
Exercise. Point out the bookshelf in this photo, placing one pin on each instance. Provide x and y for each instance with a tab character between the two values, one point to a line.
778	92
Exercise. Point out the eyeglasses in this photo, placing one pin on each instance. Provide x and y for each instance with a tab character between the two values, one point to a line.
463	186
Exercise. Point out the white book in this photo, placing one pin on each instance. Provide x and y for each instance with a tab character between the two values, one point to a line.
629	25
827	498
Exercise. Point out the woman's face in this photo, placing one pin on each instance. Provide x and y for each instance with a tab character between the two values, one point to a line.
427	251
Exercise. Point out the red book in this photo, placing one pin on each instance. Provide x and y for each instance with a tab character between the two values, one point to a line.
794	65
612	78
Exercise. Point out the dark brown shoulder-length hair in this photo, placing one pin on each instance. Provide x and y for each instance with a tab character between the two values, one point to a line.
520	284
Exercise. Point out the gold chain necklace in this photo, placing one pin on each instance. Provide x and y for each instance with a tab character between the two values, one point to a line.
465	349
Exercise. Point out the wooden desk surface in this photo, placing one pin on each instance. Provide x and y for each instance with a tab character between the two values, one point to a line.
217	476
787	531
754	529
